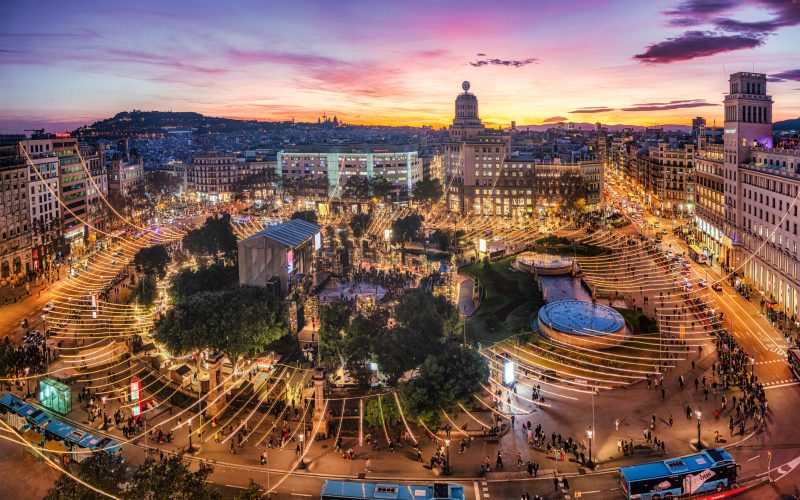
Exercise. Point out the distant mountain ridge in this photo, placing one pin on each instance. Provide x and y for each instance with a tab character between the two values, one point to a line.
151	122
791	124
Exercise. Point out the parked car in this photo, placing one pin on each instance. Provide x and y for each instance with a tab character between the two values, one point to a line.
717	287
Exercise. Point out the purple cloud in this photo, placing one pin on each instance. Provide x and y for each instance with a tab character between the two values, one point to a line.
728	34
554	119
516	63
680	104
783	76
693	44
701	8
593	109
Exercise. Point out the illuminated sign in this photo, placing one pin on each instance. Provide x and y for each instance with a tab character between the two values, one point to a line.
289	261
94	306
136	387
317	241
508	372
730	130
482	245
387	234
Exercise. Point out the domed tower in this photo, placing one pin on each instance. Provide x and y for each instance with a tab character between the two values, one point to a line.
466	119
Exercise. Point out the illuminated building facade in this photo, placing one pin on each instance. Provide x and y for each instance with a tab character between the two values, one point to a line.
401	165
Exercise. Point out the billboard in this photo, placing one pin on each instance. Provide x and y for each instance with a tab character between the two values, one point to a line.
289	260
509	374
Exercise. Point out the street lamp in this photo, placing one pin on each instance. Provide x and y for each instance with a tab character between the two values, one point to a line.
590	435
190	449
447	470
103	399
699	443
752	366
27	382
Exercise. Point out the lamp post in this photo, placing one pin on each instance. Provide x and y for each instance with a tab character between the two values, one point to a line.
590	435
190	449
447	470
103	399
752	366
699	443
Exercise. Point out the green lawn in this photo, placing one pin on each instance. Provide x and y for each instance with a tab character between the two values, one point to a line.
509	301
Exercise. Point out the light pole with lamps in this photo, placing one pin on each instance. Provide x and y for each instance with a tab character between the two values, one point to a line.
699	443
27	382
190	449
447	470
752	366
103	399
590	435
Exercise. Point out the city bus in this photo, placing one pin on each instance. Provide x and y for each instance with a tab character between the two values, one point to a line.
697	255
710	470
794	361
348	490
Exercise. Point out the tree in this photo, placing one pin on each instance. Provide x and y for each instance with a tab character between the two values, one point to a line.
400	349
152	260
573	190
359	224
448	240
215	237
428	191
100	470
381	411
306	215
170	478
147	290
419	309
159	183
206	279
406	229
444	380
357	187
334	318
237	322
254	491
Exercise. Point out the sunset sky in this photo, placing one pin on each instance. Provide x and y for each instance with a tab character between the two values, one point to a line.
392	62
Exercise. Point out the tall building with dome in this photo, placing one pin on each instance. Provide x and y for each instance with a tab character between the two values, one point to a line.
482	175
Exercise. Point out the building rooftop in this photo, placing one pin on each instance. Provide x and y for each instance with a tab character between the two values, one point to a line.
352	148
291	233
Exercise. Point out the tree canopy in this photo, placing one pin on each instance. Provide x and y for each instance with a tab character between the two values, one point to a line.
236	322
361	187
428	191
205	279
152	260
406	229
444	380
306	215
359	224
155	479
215	237
430	314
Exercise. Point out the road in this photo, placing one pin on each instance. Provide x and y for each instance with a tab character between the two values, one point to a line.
768	347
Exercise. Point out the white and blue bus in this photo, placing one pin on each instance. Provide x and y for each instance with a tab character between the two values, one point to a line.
348	490
710	470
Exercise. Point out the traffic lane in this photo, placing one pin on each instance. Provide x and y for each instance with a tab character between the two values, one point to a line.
599	486
759	338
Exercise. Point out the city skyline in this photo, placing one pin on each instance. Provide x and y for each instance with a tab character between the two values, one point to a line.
401	64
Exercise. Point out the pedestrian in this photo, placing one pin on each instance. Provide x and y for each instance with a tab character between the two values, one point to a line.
616	424
264	457
535	467
498	464
566	482
670	420
555	483
530	468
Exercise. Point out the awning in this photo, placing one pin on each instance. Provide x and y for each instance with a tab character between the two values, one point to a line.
55	446
33	436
